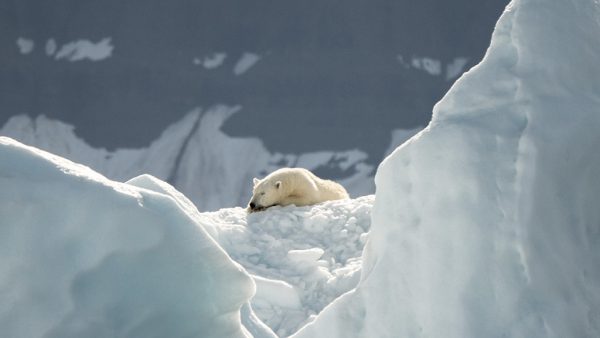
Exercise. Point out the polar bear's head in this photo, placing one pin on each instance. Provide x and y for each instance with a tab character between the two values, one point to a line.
266	193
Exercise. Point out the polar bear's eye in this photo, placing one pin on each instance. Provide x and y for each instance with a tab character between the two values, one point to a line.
262	193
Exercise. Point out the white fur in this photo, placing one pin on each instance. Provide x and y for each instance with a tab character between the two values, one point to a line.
296	186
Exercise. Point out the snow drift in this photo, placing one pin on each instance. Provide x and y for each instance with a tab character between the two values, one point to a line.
301	258
486	224
82	256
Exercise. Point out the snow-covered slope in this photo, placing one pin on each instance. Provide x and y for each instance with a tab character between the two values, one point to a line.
486	224
138	259
214	170
82	256
301	258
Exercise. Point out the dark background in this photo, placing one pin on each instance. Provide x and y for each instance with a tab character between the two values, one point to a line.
329	68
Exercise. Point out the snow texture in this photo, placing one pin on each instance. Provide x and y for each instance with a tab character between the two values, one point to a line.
301	258
194	153
82	256
486	223
138	259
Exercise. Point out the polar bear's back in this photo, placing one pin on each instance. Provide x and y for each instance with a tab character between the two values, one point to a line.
331	190
309	188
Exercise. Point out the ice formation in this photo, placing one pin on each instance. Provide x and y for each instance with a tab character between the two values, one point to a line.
82	256
486	224
138	259
301	258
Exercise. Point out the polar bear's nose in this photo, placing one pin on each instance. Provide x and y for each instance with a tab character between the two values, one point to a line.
252	205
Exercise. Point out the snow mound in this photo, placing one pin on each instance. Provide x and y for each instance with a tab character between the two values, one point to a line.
486	223
82	256
301	258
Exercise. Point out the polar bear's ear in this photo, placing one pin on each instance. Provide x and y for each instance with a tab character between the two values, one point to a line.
255	181
277	184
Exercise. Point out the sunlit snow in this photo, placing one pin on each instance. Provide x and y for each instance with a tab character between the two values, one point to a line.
82	256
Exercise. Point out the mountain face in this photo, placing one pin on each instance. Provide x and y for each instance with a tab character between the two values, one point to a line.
308	75
213	169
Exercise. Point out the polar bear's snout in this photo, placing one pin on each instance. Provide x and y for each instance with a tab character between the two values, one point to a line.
254	207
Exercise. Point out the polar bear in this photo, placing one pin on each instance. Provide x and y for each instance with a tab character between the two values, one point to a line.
296	186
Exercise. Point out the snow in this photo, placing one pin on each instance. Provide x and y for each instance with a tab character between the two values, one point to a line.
211	168
399	136
212	61
85	50
456	68
301	258
403	62
485	224
25	45
247	61
249	319
77	50
276	293
429	65
434	66
50	47
96	249
307	256
83	256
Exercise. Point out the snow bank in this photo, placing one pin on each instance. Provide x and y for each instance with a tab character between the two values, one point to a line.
82	256
486	224
301	258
